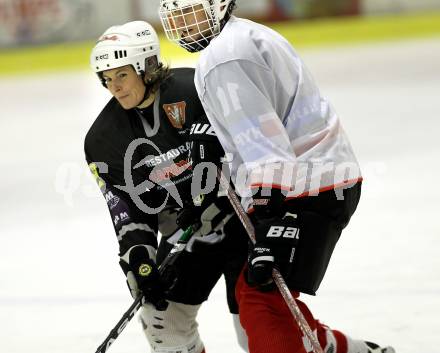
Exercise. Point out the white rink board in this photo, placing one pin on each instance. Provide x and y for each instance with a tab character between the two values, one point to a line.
61	289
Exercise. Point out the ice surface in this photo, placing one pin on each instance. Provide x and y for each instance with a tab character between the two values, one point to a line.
61	289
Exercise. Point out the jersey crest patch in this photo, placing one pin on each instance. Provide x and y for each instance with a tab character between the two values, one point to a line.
176	113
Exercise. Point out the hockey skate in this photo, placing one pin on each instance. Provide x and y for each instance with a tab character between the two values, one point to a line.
374	348
358	346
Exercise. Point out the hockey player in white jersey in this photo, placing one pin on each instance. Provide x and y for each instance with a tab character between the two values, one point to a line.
301	179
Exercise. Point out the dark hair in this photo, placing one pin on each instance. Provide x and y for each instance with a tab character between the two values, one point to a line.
231	7
157	75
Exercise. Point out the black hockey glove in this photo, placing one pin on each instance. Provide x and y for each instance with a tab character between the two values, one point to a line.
143	276
277	236
276	241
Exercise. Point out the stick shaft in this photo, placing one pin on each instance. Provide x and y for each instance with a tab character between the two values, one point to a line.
114	333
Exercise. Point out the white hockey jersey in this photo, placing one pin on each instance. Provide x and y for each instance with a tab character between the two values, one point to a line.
269	115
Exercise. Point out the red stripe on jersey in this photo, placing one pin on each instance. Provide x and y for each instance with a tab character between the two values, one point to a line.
271	186
350	183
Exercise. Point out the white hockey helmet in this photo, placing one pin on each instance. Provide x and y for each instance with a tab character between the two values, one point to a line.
128	44
198	34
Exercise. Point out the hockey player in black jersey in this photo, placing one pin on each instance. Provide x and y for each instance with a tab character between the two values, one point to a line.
138	150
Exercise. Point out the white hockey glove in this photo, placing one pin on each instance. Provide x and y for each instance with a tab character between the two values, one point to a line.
207	220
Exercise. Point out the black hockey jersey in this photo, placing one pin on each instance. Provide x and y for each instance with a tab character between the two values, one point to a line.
140	158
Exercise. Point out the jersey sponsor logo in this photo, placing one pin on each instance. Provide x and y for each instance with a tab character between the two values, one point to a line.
248	137
158	175
260	202
284	232
202	129
175	113
112	200
108	196
171	154
123	216
171	184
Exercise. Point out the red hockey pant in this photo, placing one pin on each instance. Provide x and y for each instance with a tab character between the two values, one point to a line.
270	326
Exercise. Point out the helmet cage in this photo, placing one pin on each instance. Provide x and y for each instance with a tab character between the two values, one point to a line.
194	23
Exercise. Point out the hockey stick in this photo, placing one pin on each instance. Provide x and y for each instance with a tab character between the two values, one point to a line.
276	275
140	300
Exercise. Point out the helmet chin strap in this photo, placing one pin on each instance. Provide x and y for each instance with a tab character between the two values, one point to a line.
227	16
195	47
